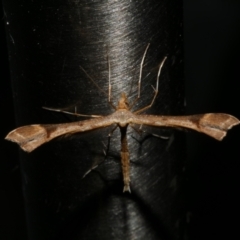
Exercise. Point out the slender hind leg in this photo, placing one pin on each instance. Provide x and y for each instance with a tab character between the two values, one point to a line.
155	89
140	77
95	165
100	89
110	86
139	131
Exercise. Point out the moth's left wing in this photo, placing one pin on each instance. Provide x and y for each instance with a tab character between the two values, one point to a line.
215	125
31	137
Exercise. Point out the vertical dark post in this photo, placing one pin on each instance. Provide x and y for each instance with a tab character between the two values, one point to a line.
48	42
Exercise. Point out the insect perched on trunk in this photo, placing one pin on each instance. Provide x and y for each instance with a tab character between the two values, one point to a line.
213	124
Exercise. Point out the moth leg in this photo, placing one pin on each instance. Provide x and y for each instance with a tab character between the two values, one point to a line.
110	86
98	87
153	134
137	130
91	79
140	132
71	113
109	140
154	89
140	77
95	165
92	168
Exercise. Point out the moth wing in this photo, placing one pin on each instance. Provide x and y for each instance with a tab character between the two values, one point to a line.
31	137
214	125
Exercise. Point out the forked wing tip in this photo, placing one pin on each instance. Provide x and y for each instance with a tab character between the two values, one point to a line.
217	125
237	121
10	137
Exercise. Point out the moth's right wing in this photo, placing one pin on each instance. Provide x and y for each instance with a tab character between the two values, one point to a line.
32	136
215	125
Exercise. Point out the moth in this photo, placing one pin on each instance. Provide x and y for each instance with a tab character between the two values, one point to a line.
214	125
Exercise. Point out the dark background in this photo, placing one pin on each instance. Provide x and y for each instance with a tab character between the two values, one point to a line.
12	216
211	41
211	38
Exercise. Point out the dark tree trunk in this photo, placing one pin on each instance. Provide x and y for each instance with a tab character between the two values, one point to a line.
48	42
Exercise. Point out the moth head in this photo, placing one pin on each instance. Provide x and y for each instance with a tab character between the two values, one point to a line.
123	102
